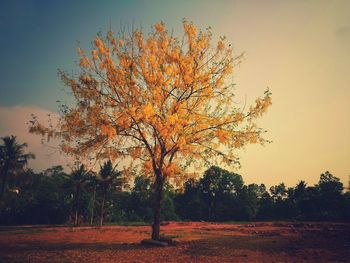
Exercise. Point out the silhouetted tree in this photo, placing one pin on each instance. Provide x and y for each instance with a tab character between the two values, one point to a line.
330	196
109	179
189	205
218	187
249	201
12	159
92	188
78	178
265	204
141	199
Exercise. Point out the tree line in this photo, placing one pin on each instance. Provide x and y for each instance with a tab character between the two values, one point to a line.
84	197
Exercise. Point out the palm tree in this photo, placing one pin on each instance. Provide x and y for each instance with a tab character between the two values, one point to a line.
108	178
92	186
78	177
12	159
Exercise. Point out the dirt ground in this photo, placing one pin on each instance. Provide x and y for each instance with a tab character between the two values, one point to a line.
198	242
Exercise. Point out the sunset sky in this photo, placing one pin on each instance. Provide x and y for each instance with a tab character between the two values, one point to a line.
300	49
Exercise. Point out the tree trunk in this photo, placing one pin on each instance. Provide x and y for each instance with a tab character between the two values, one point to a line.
76	217
93	206
3	181
77	206
102	209
158	198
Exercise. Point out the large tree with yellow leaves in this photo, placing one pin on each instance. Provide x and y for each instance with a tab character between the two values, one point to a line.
164	104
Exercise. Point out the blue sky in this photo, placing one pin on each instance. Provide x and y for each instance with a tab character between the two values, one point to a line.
38	37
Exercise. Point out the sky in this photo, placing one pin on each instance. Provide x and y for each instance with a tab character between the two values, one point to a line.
299	49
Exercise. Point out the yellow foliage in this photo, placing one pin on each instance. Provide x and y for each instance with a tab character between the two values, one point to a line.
84	62
221	135
156	99
108	131
159	27
147	111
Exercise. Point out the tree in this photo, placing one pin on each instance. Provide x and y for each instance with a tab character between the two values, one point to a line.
46	198
249	200
92	185
330	196
279	194
329	184
12	159
218	188
78	178
299	197
189	205
108	178
265	204
140	207
163	103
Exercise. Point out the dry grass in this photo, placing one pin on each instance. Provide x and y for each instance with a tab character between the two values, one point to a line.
199	242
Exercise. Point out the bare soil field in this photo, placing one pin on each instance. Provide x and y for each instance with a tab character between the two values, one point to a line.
198	242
